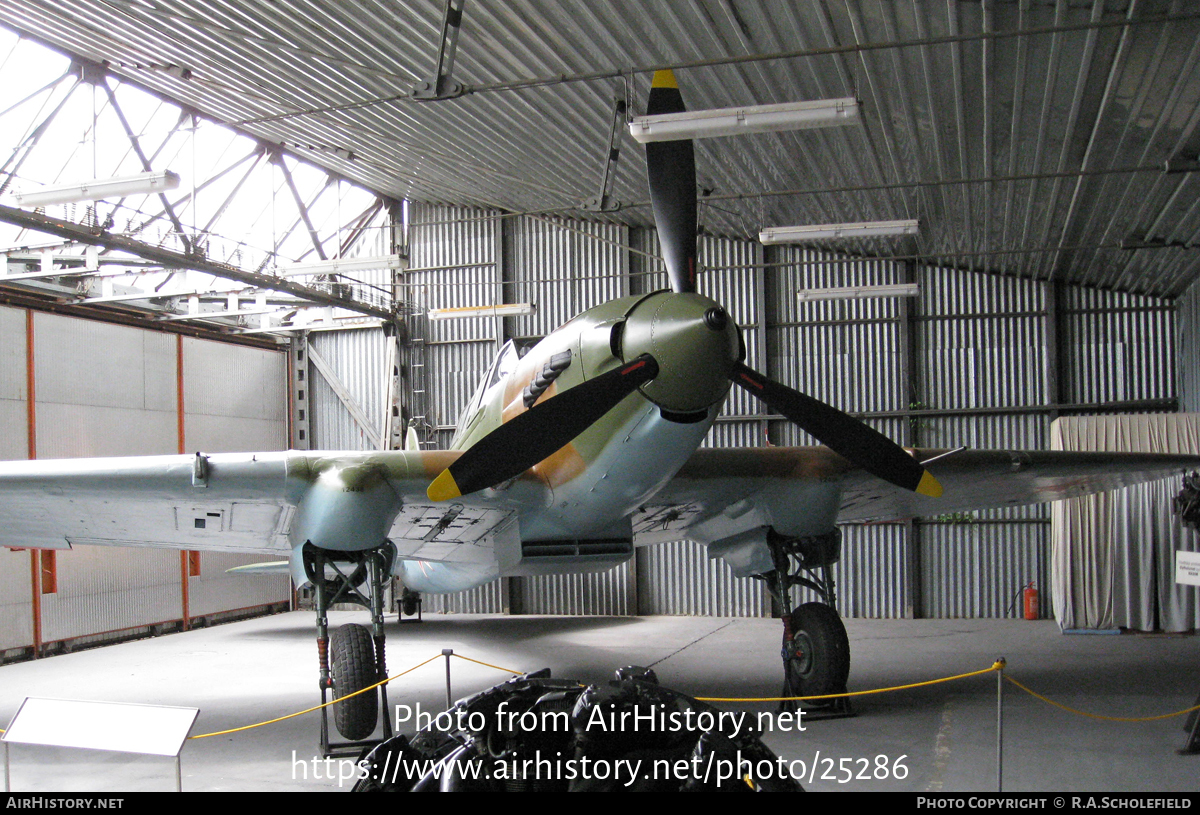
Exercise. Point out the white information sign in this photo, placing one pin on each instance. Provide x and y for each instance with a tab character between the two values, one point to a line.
154	730
1187	567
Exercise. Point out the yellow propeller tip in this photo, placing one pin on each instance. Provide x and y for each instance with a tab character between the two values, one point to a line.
929	486
664	79
443	488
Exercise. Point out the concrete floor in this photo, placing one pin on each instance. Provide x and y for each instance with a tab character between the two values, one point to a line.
943	736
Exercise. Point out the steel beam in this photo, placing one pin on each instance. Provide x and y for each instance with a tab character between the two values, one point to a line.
603	202
303	208
27	144
177	260
137	148
442	86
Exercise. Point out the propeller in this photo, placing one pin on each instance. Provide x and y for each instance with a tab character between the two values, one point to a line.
539	432
671	168
842	433
548	426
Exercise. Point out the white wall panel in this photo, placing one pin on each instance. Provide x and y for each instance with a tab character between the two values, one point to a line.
14	441
85	362
102	390
81	431
234	397
224	434
214	590
103	588
16	605
359	360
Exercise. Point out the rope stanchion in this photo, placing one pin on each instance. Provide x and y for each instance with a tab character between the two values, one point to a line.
1001	662
1098	715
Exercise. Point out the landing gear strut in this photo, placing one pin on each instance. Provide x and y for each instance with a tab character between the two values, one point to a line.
816	651
358	655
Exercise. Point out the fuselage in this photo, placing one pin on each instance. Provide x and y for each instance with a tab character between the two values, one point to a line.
587	490
593	483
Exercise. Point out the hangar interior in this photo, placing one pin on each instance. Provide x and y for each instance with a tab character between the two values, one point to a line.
352	169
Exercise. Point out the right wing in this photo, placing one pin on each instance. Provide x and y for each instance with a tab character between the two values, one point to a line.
991	479
253	503
721	493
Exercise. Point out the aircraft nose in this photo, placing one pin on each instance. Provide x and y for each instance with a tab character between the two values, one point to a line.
695	344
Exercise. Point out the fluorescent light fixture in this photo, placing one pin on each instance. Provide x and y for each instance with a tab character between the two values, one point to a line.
861	292
865	229
702	124
99	188
502	310
343	265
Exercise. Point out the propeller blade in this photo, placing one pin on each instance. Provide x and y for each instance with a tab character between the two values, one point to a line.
861	444
539	432
671	167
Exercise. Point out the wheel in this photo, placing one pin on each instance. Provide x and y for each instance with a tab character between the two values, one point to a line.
352	657
410	603
818	660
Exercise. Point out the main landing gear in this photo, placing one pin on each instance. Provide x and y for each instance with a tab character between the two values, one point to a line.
816	651
354	657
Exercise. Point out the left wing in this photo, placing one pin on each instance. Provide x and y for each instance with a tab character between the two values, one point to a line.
801	491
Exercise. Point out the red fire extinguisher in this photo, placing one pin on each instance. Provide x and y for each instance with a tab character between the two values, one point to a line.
1029	597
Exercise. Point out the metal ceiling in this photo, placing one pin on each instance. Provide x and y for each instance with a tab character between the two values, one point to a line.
1030	137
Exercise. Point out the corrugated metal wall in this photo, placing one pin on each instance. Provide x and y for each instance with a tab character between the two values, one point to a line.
453	263
102	390
358	359
679	578
975	359
1188	334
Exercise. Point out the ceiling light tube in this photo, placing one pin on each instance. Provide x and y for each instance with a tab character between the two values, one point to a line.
342	265
99	188
703	124
503	310
861	292
865	229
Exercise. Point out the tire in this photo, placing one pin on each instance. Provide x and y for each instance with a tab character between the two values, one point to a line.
410	603
819	653
353	667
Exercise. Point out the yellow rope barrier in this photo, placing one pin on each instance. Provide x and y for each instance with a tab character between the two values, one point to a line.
995	667
318	707
1098	715
489	665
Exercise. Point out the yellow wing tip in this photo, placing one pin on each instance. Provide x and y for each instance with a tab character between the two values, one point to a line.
443	488
929	486
664	79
